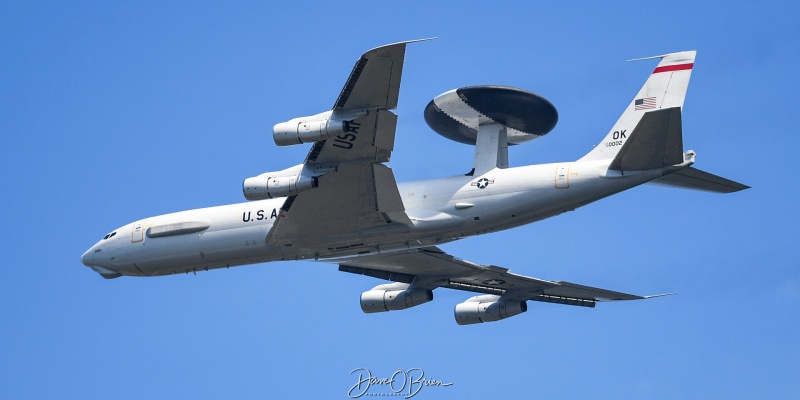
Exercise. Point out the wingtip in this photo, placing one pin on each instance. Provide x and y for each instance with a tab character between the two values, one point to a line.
660	295
645	58
397	43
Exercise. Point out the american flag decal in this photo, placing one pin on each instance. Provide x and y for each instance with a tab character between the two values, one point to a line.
645	103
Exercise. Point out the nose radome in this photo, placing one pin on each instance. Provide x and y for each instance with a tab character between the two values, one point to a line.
86	258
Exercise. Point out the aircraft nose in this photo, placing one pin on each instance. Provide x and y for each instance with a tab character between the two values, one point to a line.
86	258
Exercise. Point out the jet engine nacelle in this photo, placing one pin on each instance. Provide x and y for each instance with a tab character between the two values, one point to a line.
393	296
284	183
311	129
487	308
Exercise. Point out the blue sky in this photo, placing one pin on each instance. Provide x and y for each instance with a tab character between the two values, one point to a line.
111	112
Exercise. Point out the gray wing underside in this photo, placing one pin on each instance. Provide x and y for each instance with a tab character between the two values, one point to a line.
352	199
373	87
430	268
374	81
360	192
371	140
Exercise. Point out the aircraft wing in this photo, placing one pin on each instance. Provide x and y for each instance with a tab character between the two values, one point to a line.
430	267
375	79
357	192
372	89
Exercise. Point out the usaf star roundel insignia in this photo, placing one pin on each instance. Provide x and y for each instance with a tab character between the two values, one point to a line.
483	183
493	282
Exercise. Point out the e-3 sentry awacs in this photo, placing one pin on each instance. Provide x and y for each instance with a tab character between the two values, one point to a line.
342	204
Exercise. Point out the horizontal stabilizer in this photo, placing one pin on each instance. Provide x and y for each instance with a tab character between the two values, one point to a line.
695	179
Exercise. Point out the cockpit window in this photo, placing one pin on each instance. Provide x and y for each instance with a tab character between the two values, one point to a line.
110	235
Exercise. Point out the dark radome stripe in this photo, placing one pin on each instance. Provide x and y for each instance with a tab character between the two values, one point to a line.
514	108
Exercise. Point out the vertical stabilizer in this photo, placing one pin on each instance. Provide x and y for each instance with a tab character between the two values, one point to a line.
656	142
664	89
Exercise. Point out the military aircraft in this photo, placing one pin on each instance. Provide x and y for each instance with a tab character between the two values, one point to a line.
342	204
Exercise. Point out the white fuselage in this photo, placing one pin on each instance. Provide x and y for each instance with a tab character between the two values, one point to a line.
441	210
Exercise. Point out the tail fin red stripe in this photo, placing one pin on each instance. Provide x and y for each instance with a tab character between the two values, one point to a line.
669	68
